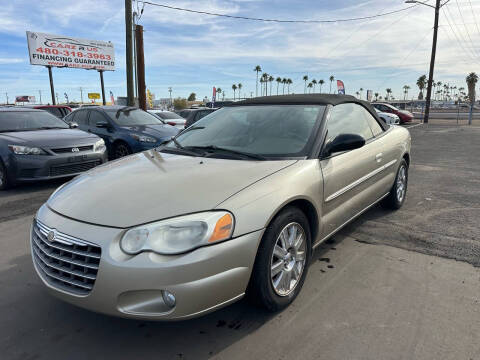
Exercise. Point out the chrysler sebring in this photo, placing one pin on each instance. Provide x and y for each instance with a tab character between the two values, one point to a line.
233	205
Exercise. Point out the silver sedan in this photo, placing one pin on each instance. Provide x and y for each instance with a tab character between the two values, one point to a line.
233	205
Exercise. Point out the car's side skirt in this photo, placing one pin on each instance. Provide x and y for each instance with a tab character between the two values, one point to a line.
349	220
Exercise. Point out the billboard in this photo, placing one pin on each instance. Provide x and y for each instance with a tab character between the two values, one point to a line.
93	95
24	98
63	51
340	87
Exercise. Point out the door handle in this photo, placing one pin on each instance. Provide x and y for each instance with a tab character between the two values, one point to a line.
378	157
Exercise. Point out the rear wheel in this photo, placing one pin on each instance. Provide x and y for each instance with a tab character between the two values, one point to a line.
398	193
282	260
120	150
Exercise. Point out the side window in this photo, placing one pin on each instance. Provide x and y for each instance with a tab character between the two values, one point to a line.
348	119
95	116
374	125
81	118
71	117
202	114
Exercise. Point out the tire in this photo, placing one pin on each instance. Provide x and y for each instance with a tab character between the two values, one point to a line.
398	193
262	288
121	149
4	183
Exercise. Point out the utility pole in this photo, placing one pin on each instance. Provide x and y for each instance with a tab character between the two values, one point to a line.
170	91
40	93
6	94
52	89
140	61
129	52
56	95
81	94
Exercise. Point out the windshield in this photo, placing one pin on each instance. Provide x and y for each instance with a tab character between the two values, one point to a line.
29	120
132	117
271	131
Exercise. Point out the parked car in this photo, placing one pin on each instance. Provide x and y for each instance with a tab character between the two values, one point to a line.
124	129
235	203
218	104
404	115
170	118
390	119
35	145
59	111
193	115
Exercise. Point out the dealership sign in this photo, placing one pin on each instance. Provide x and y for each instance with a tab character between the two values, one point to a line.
25	98
93	95
64	51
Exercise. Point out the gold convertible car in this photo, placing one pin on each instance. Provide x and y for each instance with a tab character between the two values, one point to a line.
234	204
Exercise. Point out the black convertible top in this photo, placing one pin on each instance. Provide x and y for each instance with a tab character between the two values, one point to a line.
310	99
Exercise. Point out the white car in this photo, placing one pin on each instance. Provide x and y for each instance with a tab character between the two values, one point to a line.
170	118
390	119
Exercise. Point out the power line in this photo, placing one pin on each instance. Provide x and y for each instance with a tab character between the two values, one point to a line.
474	16
276	20
466	28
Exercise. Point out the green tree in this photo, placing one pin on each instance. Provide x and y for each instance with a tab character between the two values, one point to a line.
289	82
234	88
265	83
219	91
239	90
305	78
376	96
321	82
180	103
471	80
421	81
389	91
309	86
257	69
278	80
192	97
270	80
331	78
284	82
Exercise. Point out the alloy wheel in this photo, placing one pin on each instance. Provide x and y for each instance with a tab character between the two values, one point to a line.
288	259
401	183
121	150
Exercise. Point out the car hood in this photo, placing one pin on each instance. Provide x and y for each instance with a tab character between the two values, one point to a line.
50	138
150	186
160	131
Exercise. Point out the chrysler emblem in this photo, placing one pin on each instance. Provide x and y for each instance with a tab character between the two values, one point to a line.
51	235
75	149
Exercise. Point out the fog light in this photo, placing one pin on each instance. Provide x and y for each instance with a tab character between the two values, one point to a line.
169	298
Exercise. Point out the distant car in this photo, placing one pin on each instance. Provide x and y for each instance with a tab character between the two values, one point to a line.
59	111
405	116
193	115
35	145
390	119
170	118
124	129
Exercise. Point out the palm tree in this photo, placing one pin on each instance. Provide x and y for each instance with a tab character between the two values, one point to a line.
289	82
234	88
472	80
376	96
361	92
261	85
421	81
239	90
389	91
305	78
331	81
358	93
270	80
219	91
310	85
257	69
278	80
321	82
284	82
265	82
314	82
405	91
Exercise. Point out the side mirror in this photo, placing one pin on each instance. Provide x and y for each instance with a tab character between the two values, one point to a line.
102	124
344	142
73	125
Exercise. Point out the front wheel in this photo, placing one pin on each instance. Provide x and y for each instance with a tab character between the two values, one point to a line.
3	177
282	260
398	193
120	150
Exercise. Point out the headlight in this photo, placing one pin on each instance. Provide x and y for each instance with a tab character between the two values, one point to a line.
143	138
26	150
178	235
99	145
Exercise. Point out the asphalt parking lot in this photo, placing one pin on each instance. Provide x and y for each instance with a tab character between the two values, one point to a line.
392	285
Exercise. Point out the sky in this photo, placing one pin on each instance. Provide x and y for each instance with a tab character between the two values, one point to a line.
192	52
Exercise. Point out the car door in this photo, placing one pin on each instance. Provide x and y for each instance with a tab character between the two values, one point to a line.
106	133
81	118
349	178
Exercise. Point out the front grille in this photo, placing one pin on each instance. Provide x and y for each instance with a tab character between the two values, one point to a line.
69	149
65	262
73	168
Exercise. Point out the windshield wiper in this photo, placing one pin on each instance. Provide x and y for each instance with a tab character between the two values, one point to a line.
215	148
180	147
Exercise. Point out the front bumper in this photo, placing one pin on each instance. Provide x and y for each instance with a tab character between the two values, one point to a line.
43	167
131	286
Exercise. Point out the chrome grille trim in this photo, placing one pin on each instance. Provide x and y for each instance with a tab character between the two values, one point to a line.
67	263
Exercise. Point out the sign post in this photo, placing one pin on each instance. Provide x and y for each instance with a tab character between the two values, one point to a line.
103	87
52	90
